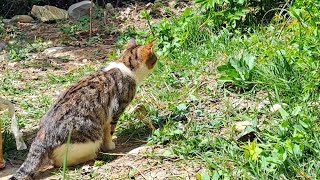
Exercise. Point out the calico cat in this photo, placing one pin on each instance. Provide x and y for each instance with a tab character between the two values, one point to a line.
90	111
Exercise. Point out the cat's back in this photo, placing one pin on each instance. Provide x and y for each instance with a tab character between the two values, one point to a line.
90	94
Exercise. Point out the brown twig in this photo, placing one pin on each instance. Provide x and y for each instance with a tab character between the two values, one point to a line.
2	162
91	6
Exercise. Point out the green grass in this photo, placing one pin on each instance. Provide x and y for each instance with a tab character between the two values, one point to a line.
33	98
286	69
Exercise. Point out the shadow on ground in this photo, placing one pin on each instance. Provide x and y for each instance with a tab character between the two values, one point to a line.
124	144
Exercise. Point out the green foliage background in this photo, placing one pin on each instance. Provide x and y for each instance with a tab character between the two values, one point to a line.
270	47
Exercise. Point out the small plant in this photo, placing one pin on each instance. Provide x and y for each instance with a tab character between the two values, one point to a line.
239	70
18	54
99	163
72	30
235	14
21	50
65	160
145	14
252	151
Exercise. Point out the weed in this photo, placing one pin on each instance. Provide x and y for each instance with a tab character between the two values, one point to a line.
22	50
146	15
239	70
65	160
72	30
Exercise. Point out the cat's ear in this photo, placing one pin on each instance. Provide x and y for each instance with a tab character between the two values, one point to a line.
132	43
150	47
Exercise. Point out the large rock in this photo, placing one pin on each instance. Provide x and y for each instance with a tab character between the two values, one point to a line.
49	13
79	9
22	18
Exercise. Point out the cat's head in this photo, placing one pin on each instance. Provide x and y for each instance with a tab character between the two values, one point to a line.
141	60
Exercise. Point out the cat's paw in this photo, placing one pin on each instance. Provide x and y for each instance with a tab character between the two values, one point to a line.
2	164
108	146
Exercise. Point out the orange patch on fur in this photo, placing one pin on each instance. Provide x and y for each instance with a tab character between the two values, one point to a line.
147	55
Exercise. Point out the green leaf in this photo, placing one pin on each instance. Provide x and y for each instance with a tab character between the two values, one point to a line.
225	67
167	153
205	176
283	113
216	176
297	150
187	12
250	60
296	110
182	107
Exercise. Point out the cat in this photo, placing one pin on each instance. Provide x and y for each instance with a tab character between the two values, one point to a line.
89	110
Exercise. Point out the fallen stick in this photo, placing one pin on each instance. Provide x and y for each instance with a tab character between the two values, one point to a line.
2	162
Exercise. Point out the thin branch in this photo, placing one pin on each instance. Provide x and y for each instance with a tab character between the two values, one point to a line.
91	6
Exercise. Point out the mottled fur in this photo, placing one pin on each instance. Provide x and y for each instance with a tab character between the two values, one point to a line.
90	110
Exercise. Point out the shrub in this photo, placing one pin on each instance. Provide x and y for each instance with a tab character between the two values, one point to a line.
239	13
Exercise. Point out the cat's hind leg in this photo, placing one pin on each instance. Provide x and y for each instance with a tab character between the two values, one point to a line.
108	144
77	153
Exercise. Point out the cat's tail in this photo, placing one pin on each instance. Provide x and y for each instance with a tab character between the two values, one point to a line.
28	169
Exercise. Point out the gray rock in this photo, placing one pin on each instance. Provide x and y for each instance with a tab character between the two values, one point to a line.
79	9
48	13
22	19
31	56
53	50
109	9
7	21
2	57
3	45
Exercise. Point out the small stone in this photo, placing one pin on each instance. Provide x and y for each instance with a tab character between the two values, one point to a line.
2	57
138	150
109	6
125	14
149	5
241	125
3	46
12	64
109	9
6	21
12	42
53	50
48	13
34	27
277	107
22	19
85	60
79	9
172	4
